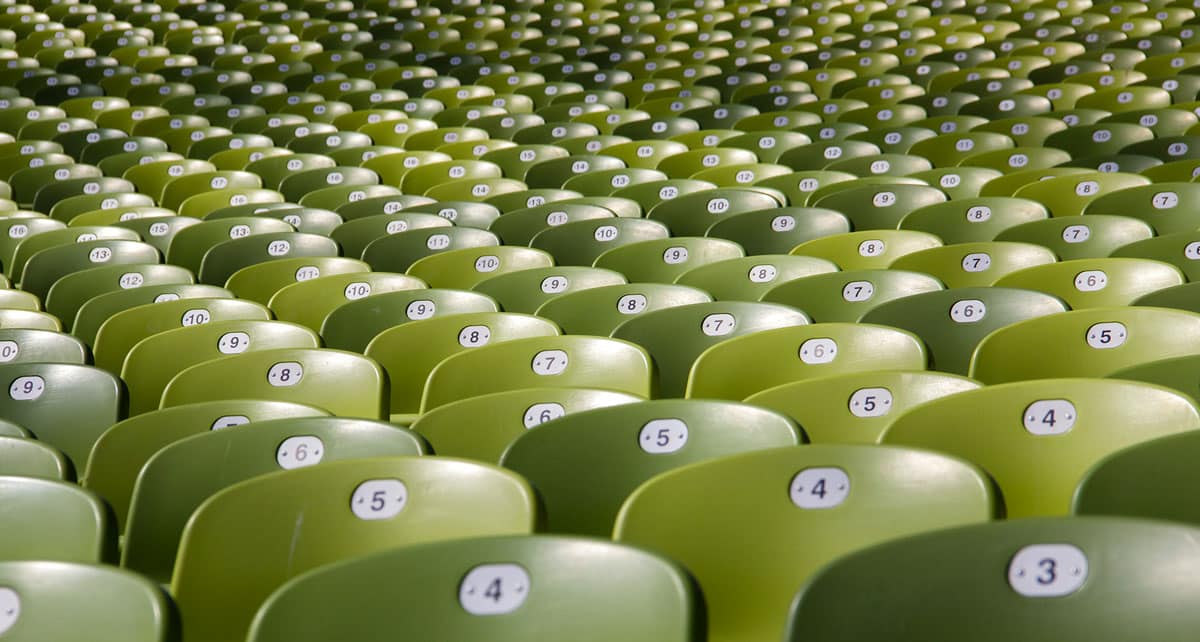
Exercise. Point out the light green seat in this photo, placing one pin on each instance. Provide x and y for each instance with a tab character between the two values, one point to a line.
856	407
440	338
740	367
71	292
518	227
1090	283
749	278
1093	343
119	454
189	245
176	480
847	296
123	330
106	604
352	325
1181	249
975	264
1071	195
481	428
1091	236
343	383
96	310
868	249
22	345
961	583
1038	438
777	230
973	219
32	319
677	335
155	360
527	290
599	311
562	361
54	520
833	499
464	268
223	260
24	457
623	446
567	588
67	406
664	260
1167	207
277	526
309	302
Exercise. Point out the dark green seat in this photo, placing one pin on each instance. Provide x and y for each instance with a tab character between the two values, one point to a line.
54	520
352	325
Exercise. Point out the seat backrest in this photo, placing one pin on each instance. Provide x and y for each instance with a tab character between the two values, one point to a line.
623	446
1000	581
54	520
277	526
664	260
352	325
260	281
224	259
849	295
466	267
176	480
463	584
309	302
791	511
1038	438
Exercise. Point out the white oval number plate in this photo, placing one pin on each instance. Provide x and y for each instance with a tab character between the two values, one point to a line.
871	402
233	343
856	291
632	304
550	362
9	351
1050	417
819	487
10	609
718	325
540	413
379	499
968	311
1047	570
27	388
473	336
494	589
662	436
817	351
300	451
284	374
1103	336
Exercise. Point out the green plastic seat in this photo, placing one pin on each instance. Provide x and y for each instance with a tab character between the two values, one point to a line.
442	337
468	266
685	215
345	384
582	242
47	266
309	302
21	456
226	258
744	365
397	252
1070	195
261	281
283	524
107	604
14	231
21	345
566	361
1085	283
1137	481
973	219
96	310
627	445
693	513
58	522
751	277
182	475
585	605
1005	580
352	325
1039	438
1176	249
598	311
528	289
1093	236
974	264
1166	207
856	407
65	405
70	292
677	335
190	245
664	260
868	249
847	296
1179	297
1084	343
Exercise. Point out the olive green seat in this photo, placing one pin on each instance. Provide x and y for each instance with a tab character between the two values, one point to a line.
559	361
1039	438
847	296
23	345
96	310
176	480
751	277
356	234
1181	249
309	302
119	454
1179	297
1008	580
626	445
190	245
21	456
261	281
857	407
54	521
397	252
976	264
543	586
973	219
677	335
1142	480
466	267
343	383
1089	283
1072	194
664	260
836	499
226	258
580	242
280	525
776	230
880	207
1167	207
352	325
48	266
867	249
692	214
599	311
742	366
1091	236
440	338
70	292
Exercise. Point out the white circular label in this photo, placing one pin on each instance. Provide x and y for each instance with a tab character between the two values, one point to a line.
1076	233
606	233
279	248
229	421
1091	281
783	224
870	402
100	254
1047	570
438	242
819	487
968	311
285	374
239	231
357	290
662	436
379	499
1103	336
1087	188
763	273
540	413
871	247
1192	251
884	199
159	229
131	280
856	291
718	325
978	214
818	351
27	388
977	262
555	284
420	310
550	362
632	304
473	336
307	273
718	206
675	255
300	451
1165	200
487	263
1049	417
494	589
197	316
233	343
